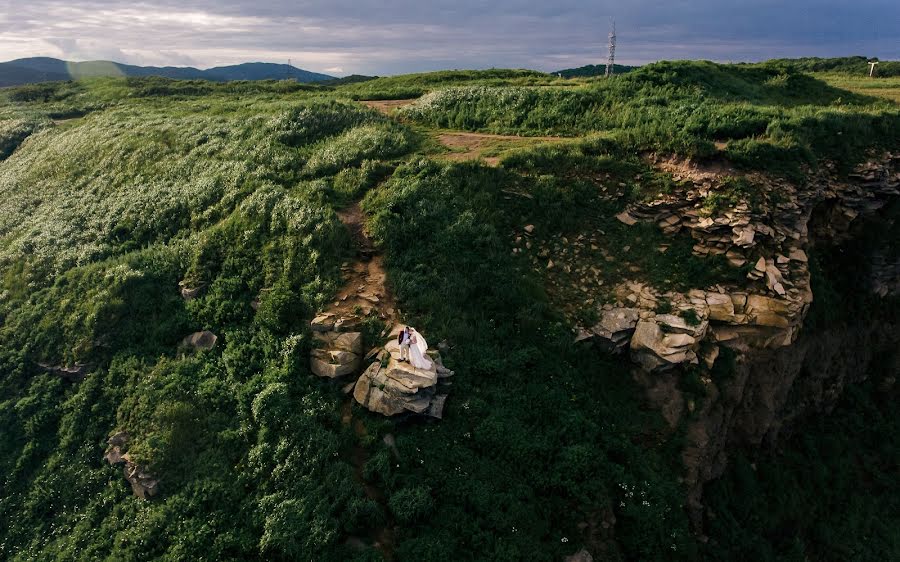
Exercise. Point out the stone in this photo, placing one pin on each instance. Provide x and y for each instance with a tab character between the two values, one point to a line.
203	341
796	254
760	265
529	229
349	341
436	407
648	349
615	327
626	218
765	311
721	307
143	484
74	373
709	355
348	324
399	387
735	258
743	237
322	323
673	341
323	368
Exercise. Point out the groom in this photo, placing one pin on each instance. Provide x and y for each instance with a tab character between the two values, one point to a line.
404	340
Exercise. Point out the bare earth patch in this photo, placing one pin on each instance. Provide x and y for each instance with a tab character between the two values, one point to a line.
685	168
387	106
474	146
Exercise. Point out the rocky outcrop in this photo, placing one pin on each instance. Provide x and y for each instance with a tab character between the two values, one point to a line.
781	373
143	484
766	232
338	352
772	389
390	387
73	373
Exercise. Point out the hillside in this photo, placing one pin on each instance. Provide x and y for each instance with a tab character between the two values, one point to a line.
635	291
33	70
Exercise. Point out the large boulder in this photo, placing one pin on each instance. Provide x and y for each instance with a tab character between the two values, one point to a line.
656	350
390	387
615	327
339	354
202	341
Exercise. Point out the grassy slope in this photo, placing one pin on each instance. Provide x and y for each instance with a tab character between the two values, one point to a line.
769	116
234	187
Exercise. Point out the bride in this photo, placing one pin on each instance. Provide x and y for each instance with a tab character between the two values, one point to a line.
418	347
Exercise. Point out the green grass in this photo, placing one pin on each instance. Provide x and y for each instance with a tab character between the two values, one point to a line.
113	191
409	86
771	117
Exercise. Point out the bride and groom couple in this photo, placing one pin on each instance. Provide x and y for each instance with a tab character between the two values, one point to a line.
413	349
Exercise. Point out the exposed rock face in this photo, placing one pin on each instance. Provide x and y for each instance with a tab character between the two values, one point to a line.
770	389
781	374
143	484
390	387
74	373
339	354
767	311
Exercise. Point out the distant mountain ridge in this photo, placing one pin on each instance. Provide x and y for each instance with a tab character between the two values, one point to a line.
45	69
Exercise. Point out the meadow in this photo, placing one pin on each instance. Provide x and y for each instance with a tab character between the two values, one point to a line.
114	191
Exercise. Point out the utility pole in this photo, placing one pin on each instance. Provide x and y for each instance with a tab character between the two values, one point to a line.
611	60
872	68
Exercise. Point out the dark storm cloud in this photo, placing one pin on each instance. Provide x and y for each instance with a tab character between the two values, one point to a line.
386	37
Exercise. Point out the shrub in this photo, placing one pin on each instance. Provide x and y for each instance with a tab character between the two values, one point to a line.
411	504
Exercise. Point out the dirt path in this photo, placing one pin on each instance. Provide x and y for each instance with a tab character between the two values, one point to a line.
464	145
365	280
387	106
484	146
364	292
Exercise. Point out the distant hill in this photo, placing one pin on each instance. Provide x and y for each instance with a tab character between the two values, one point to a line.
352	79
592	70
44	69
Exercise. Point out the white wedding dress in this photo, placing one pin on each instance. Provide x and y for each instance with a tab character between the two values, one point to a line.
418	357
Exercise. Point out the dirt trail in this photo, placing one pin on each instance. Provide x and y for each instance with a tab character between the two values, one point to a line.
466	145
365	279
387	106
364	292
472	146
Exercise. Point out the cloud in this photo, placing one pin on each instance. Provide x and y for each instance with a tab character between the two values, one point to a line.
393	36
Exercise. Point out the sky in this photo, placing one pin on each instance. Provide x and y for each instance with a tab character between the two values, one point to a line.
383	37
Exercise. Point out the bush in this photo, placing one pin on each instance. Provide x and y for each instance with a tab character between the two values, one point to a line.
411	504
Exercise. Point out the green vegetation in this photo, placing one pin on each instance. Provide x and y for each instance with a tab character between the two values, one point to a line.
592	70
829	494
116	190
409	86
851	66
771	116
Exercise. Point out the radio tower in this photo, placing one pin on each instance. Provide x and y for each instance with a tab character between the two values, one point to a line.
611	61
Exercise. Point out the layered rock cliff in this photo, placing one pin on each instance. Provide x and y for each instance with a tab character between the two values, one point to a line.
778	371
